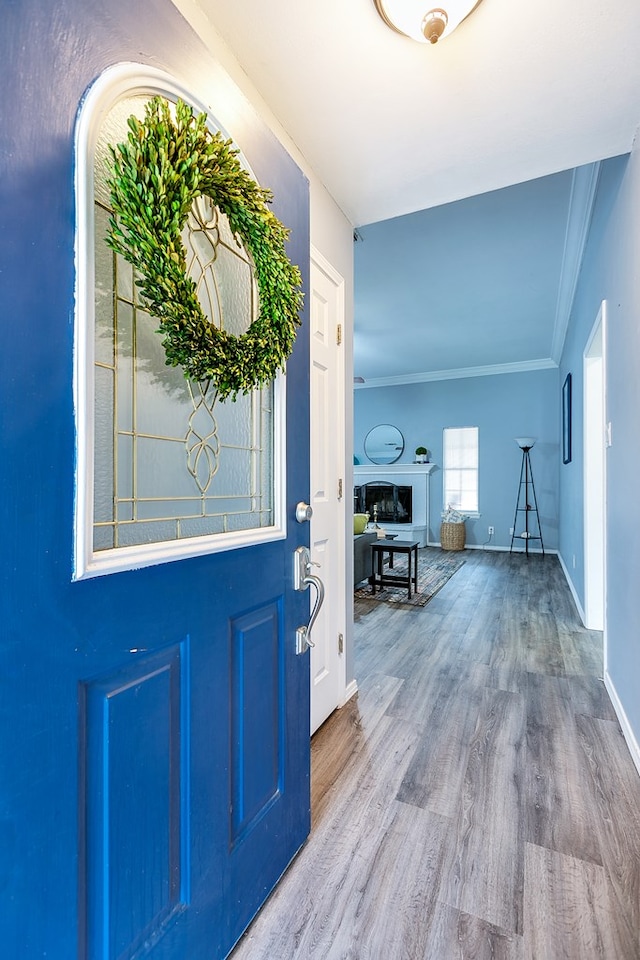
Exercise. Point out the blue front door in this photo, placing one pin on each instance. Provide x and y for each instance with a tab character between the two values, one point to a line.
154	723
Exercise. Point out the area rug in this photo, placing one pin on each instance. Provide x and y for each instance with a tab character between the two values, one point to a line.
435	568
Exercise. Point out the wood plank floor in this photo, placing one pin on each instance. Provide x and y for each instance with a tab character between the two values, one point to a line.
476	799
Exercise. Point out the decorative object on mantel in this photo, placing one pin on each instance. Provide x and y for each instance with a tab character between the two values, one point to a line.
422	455
452	529
434	570
526	501
168	162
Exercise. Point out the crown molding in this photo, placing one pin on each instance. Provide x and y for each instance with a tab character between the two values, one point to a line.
584	186
490	370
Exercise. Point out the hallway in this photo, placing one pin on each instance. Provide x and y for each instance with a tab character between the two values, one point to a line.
477	799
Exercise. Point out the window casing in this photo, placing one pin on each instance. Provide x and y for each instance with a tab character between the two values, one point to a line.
460	468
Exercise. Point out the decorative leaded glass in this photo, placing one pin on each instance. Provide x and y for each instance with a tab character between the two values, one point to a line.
169	461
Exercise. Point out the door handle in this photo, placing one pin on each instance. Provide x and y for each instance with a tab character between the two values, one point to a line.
302	580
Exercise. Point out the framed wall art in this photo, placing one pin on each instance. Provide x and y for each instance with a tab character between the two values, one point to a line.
566	419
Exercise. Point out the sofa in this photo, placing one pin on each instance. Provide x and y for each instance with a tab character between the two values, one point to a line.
362	556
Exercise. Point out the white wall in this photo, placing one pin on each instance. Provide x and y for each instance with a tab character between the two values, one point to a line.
331	235
331	232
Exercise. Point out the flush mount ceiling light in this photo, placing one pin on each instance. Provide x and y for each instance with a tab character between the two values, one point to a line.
420	21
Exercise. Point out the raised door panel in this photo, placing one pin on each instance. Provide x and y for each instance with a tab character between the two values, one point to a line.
134	778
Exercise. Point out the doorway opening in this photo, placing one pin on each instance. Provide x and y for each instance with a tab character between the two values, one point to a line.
594	369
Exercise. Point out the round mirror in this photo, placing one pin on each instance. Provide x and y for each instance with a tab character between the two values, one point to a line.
384	444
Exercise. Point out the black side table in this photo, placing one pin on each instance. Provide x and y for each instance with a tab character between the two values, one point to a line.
379	578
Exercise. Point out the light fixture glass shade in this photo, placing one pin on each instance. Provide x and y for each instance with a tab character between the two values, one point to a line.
525	443
424	21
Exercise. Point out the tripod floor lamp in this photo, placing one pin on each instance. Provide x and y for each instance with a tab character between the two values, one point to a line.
526	502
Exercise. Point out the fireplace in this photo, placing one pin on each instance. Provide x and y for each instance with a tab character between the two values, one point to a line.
393	502
399	475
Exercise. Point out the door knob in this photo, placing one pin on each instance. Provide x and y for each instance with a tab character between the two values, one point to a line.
303	512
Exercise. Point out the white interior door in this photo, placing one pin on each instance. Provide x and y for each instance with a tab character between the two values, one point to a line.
327	485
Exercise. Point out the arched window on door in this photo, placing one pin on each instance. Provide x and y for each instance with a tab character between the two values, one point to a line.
168	471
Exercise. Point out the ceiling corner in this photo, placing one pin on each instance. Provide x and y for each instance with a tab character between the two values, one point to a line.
584	187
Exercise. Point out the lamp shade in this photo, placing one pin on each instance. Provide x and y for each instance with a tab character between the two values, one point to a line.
424	21
525	443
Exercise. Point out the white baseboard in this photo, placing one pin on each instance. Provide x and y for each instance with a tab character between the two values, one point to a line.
483	546
574	594
518	550
350	691
627	731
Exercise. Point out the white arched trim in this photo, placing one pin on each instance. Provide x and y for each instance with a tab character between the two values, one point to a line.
114	84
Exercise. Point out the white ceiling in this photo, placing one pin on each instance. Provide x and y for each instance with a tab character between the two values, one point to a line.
520	90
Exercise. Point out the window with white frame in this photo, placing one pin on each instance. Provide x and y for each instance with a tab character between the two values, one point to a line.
164	471
460	468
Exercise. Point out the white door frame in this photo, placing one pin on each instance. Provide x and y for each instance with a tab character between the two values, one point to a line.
595	474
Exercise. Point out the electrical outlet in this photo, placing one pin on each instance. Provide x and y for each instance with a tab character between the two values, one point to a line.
510	531
491	531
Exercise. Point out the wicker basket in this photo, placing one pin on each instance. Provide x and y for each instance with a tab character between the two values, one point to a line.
452	536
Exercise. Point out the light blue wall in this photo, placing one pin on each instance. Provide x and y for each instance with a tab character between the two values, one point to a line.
611	271
592	286
503	407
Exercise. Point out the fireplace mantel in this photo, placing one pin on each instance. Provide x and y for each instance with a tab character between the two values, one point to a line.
415	475
392	469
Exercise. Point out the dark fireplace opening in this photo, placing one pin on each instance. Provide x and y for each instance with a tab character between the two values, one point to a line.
393	502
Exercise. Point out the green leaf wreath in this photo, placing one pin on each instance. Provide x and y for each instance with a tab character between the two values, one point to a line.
162	168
